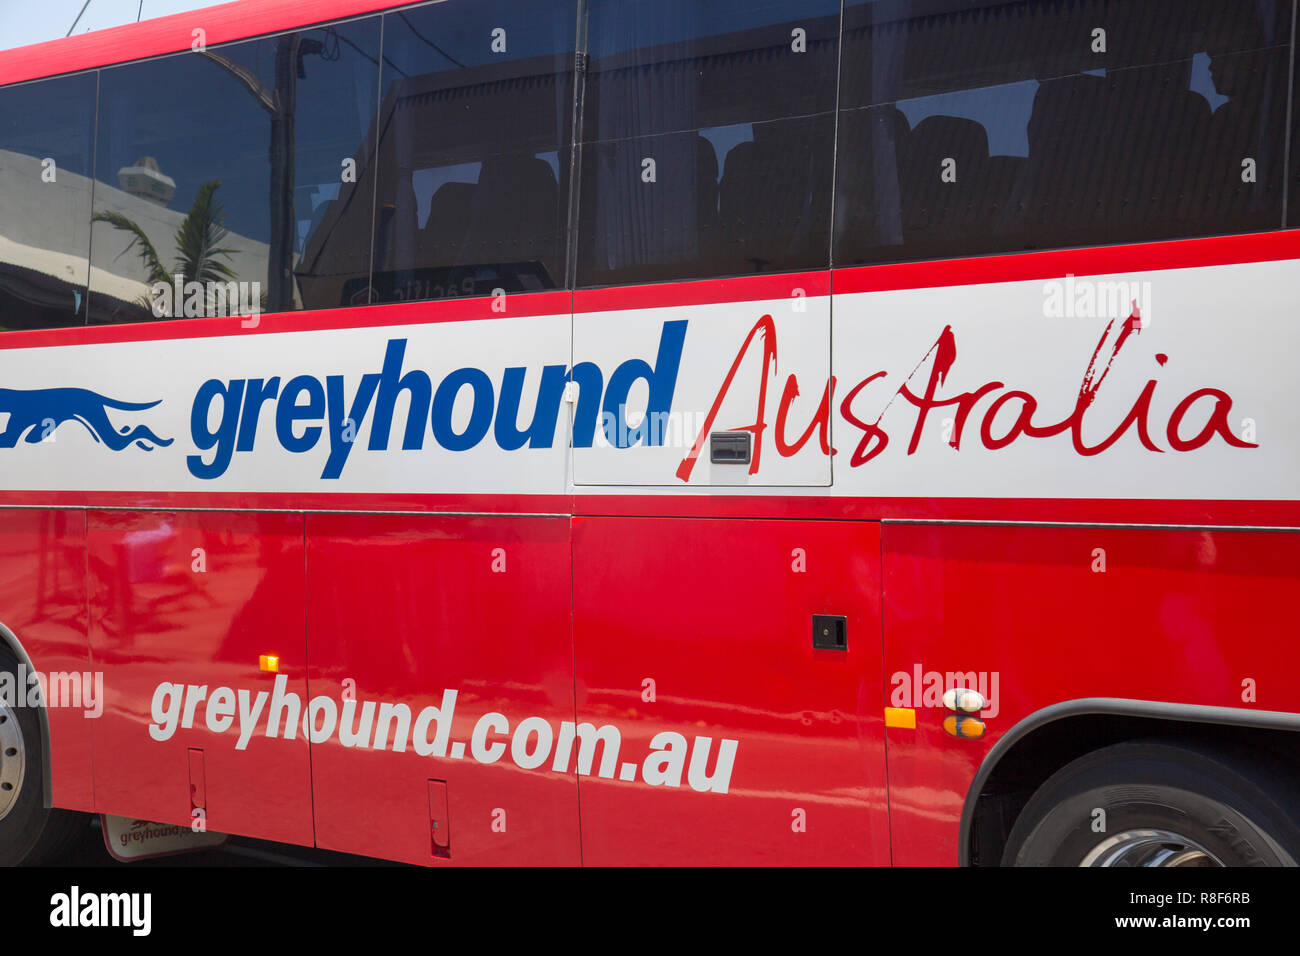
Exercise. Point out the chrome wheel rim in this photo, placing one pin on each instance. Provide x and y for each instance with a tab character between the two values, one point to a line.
1150	848
13	759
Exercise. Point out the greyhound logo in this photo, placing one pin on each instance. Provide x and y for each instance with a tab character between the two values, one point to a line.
36	413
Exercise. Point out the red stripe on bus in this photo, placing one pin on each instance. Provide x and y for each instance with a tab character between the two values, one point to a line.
1175	254
1057	263
1261	513
513	306
225	23
703	292
290	501
821	504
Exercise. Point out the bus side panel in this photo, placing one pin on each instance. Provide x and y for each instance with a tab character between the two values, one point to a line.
1040	615
692	633
43	602
403	609
187	604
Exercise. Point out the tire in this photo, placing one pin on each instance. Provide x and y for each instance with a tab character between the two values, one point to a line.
29	833
1165	804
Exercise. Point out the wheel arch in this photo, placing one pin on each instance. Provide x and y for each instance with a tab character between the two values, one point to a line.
10	640
1100	720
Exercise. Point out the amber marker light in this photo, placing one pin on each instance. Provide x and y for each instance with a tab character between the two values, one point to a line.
269	663
904	717
964	727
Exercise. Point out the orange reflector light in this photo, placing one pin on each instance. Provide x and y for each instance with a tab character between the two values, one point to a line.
967	727
269	663
904	717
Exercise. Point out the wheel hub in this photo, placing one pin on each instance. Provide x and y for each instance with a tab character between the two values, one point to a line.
13	759
1150	848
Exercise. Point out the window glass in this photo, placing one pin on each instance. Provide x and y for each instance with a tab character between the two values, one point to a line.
970	128
474	149
46	149
240	169
1293	188
707	138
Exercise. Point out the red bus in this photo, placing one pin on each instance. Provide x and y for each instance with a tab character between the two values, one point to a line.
650	431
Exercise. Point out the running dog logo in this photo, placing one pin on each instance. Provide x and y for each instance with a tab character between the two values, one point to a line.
36	413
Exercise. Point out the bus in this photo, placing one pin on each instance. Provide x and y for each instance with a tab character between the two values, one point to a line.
631	432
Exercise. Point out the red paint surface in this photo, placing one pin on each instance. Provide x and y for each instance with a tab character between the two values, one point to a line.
1177	616
712	610
410	607
154	618
702	504
514	306
223	23
43	603
1056	263
719	616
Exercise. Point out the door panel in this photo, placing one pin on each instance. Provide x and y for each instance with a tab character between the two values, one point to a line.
405	611
195	600
718	615
1033	616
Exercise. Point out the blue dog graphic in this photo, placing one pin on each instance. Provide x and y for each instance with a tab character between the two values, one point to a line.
36	413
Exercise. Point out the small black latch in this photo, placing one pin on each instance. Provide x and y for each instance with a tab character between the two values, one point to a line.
729	448
830	633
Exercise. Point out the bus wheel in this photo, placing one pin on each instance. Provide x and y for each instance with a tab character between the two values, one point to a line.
1155	803
29	833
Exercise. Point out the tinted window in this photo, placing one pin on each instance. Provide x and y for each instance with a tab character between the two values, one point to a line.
474	149
707	138
242	164
46	136
1293	187
1002	126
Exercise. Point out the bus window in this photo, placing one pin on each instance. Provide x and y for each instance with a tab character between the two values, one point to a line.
474	149
707	139
1293	188
46	136
1051	124
242	169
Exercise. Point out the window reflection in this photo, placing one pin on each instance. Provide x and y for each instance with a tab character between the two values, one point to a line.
222	174
46	137
474	150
